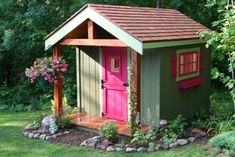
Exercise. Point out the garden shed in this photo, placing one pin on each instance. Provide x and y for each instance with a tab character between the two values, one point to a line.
160	49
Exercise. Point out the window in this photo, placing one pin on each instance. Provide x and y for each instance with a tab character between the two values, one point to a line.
186	66
115	64
188	63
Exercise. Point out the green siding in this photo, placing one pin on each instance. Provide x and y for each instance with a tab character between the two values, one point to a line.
89	78
173	101
150	83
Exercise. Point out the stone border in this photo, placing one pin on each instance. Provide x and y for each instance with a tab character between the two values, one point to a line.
37	134
97	143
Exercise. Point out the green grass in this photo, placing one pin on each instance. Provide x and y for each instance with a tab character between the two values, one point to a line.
14	144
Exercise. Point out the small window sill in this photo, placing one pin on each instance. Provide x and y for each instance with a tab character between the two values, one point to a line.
189	83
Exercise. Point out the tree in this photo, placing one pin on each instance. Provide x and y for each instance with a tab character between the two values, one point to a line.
224	42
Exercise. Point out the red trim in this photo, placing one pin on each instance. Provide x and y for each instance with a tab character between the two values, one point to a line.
189	83
186	65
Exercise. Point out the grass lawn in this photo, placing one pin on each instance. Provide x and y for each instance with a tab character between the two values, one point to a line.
14	144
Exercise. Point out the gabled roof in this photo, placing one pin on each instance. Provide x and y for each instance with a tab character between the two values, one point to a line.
135	26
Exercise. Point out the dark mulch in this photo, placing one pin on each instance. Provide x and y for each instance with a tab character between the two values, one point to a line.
75	137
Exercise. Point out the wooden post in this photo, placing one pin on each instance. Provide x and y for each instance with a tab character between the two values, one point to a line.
135	57
58	106
90	29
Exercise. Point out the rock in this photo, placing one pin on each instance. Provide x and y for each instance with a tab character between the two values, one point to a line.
173	145
94	139
198	133
103	145
91	145
42	136
191	139
66	132
119	149
110	149
84	143
182	142
36	135
165	146
46	122
26	133
141	149
30	135
150	149
55	136
60	134
130	149
159	147
35	131
48	138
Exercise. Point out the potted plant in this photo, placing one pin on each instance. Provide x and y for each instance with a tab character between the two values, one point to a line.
46	70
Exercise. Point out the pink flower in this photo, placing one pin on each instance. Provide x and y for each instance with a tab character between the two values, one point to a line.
163	122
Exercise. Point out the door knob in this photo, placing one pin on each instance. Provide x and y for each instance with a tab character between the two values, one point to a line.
125	84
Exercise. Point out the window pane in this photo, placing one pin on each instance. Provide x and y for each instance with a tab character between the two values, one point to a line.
195	57
181	59
181	69
194	67
190	68
115	65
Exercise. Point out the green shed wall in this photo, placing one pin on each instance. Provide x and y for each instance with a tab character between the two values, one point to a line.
150	83
174	101
88	80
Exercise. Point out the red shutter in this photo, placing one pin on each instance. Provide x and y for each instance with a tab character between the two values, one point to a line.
201	64
174	65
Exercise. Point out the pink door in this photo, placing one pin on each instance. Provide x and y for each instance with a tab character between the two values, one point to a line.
114	83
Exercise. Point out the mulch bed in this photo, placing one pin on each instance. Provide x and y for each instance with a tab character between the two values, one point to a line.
74	138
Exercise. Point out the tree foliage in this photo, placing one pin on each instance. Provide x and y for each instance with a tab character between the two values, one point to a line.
24	24
224	42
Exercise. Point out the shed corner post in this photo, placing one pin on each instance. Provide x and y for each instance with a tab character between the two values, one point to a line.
135	67
58	94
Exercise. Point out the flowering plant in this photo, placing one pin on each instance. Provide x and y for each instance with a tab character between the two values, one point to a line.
48	69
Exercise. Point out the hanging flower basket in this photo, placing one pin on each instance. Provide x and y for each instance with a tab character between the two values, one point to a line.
46	70
42	82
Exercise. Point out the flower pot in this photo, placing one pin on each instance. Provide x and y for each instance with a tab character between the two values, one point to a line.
42	82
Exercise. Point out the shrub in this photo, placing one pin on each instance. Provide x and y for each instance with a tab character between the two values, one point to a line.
109	131
64	122
175	129
225	140
219	125
53	127
139	138
151	136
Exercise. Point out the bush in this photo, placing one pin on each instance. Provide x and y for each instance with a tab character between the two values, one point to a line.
225	140
139	138
219	125
175	129
109	131
64	122
151	136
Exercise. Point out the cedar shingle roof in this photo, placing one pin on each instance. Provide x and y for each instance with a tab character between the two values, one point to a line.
137	27
151	24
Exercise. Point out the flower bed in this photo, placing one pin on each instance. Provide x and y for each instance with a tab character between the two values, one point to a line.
169	135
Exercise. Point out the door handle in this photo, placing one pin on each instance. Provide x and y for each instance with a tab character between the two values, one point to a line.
126	84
